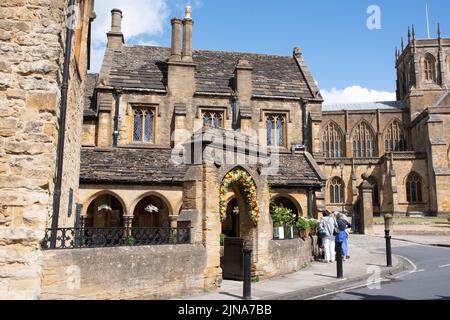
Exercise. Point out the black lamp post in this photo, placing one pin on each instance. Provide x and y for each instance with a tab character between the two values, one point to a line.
387	229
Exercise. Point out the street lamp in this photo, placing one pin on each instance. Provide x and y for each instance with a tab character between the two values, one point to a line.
387	229
341	166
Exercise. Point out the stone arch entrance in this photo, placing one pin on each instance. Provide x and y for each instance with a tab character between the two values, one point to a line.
239	217
105	211
151	212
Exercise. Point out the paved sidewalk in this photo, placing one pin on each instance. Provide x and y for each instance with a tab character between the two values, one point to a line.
367	254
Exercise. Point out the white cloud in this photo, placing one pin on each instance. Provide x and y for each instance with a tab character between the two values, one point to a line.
142	19
356	94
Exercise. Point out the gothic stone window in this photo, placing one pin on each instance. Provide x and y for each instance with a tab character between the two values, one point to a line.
332	141
336	191
363	142
143	125
394	138
276	130
429	68
414	188
212	118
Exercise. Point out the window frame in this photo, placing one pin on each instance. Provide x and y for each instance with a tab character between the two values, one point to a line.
361	148
429	68
145	110
276	115
340	186
389	137
213	111
414	188
336	132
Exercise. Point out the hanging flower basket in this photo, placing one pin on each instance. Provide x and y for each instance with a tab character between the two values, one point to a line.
151	209
246	181
104	207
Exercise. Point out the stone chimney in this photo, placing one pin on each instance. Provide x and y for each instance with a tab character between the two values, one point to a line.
243	80
176	40
115	36
187	35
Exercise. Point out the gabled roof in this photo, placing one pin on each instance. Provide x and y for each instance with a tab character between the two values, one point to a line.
145	67
384	105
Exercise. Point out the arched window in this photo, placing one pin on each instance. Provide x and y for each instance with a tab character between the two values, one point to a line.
276	130
143	124
375	192
414	188
429	68
332	141
363	141
336	191
212	119
394	138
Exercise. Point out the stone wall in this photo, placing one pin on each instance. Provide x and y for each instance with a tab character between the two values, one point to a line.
151	272
289	256
32	37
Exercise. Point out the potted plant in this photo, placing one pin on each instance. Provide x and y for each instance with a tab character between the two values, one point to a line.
289	223
104	207
276	213
303	227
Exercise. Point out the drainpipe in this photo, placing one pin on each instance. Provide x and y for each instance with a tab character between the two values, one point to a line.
117	95
62	123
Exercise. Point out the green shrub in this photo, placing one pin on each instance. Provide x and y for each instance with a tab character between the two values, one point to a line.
448	218
222	239
173	236
314	225
303	224
281	216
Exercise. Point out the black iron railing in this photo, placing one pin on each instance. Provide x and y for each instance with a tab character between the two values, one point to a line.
76	238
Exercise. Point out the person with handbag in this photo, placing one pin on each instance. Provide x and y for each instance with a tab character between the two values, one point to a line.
327	228
342	235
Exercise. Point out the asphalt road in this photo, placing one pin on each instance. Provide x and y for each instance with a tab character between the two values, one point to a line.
429	280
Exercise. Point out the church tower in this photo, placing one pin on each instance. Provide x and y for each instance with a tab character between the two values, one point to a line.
423	71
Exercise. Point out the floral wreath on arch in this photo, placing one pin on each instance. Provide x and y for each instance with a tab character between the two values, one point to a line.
249	186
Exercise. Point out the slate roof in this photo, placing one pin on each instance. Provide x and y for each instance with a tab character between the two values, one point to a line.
144	166
129	166
295	170
89	100
385	105
145	67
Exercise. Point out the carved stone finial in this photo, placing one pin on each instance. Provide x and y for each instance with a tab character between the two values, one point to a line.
297	52
188	12
365	176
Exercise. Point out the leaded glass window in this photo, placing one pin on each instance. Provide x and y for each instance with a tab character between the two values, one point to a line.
429	68
332	142
394	138
143	125
414	188
336	191
363	142
276	130
212	119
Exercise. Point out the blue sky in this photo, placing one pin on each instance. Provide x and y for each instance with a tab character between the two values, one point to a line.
341	52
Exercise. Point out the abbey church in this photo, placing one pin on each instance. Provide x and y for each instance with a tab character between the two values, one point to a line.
166	150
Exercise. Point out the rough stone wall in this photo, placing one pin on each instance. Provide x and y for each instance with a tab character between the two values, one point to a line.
32	37
150	272
289	256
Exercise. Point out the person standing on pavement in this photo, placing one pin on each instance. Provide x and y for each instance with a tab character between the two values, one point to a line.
343	225
327	228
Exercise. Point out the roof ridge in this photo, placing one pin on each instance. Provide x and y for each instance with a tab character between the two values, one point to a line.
362	102
211	51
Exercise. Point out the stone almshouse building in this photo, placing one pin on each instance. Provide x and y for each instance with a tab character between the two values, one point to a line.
199	143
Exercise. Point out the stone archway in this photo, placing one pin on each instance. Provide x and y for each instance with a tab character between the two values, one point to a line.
239	217
151	212
105	211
